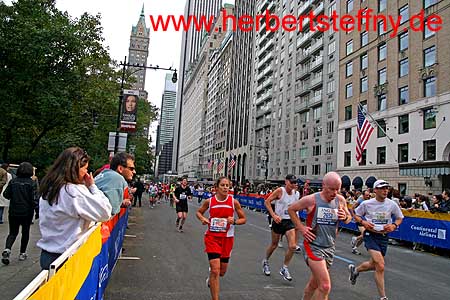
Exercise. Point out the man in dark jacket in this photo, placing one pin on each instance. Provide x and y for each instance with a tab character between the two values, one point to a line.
21	191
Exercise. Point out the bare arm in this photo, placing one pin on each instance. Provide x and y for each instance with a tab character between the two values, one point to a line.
343	212
240	212
308	203
202	210
276	195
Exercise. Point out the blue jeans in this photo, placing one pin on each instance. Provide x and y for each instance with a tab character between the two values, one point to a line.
47	258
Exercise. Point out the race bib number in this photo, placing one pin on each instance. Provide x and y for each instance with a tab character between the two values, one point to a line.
218	225
379	218
183	197
327	216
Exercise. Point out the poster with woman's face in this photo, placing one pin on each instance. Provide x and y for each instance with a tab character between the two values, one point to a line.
129	112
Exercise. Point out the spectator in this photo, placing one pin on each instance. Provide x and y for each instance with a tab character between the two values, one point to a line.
139	191
3	201
69	202
113	182
3	175
406	202
21	192
444	204
422	203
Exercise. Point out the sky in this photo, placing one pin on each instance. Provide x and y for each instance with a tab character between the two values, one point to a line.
117	17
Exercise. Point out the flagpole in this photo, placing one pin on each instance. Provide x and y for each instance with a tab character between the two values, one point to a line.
378	125
385	134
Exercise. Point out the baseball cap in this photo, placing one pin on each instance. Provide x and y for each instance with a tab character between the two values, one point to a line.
380	184
291	178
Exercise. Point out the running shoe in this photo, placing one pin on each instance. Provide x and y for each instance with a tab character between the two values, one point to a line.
207	281
5	256
266	268
356	251
23	256
384	298
180	229
298	249
285	273
353	274
280	244
354	239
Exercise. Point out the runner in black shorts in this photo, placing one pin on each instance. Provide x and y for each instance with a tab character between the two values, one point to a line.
181	196
282	224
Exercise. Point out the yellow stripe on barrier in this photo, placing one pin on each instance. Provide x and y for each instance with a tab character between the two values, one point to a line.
70	277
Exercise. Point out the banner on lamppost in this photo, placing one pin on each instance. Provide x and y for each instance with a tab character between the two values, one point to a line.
122	142
129	110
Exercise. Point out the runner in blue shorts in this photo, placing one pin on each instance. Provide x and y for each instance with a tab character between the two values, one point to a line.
376	216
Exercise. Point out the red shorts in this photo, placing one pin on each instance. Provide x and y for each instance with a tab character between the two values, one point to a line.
219	245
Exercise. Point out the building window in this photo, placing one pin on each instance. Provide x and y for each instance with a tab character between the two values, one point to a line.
382	52
349	69
382	27
363	104
349	5
429	87
303	152
382	5
364	84
364	38
382	76
330	127
403	153
403	13
381	155
426	31
316	170
348	136
330	147
318	131
317	150
317	112
347	158
429	118
403	95
428	3
364	61
330	106
429	150
403	41
429	56
331	47
403	124
348	112
349	47
349	90
382	102
303	170
363	160
328	167
381	128
403	67
330	86
402	189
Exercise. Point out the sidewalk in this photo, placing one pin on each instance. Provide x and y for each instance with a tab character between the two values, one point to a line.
18	274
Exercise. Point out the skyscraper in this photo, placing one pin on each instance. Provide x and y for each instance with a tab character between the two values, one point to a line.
138	52
164	140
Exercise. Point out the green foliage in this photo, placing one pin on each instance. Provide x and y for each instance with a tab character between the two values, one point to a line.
55	73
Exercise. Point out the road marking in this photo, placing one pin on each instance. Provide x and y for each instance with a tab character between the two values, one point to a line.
129	258
259	227
344	259
278	287
130	235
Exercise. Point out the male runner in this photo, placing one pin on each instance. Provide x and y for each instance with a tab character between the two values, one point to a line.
180	197
357	240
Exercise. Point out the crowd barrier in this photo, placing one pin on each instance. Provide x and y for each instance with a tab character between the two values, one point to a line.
85	271
418	226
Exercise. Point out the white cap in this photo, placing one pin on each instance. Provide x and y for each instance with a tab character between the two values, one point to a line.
380	184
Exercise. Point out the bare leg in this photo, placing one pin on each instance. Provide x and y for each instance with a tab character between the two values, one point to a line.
273	245
214	273
292	242
319	284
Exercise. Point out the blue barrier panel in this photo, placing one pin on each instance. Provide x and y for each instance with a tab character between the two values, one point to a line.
426	229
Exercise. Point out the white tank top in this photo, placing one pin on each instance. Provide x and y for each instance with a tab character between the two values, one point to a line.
282	204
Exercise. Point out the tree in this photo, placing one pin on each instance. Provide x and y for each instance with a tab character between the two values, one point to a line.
55	75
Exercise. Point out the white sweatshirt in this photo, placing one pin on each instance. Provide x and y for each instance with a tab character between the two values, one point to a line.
63	223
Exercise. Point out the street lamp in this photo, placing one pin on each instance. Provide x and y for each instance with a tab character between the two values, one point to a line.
266	149
139	68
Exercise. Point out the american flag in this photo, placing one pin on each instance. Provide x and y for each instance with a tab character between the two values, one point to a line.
210	163
232	161
363	131
219	165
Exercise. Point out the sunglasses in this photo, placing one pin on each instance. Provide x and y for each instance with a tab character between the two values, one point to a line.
132	169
